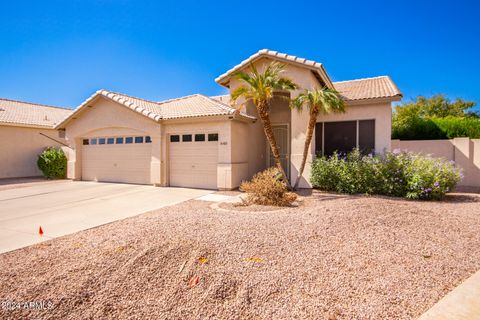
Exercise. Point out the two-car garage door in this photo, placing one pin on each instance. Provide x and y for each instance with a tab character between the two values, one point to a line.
117	159
193	160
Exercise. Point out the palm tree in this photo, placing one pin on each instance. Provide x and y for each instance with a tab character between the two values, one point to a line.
260	87
322	100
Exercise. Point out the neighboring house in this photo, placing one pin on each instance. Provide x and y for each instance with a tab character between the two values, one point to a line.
204	142
26	129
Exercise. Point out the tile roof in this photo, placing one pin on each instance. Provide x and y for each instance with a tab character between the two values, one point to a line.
30	114
282	57
195	105
222	98
368	88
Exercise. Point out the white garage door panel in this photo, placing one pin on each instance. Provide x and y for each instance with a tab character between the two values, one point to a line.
194	164
128	163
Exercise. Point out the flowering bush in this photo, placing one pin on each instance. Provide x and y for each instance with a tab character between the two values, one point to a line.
397	173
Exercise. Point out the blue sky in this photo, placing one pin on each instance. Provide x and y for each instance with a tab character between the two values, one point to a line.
60	52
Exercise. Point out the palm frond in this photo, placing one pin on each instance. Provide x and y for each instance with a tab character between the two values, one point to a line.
241	91
324	100
285	84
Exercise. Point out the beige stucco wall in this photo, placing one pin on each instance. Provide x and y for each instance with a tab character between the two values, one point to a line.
438	148
19	148
380	112
108	118
464	151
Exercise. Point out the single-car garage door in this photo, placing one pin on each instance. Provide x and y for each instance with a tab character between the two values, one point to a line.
193	160
117	159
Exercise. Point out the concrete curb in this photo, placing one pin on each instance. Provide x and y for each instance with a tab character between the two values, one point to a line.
462	303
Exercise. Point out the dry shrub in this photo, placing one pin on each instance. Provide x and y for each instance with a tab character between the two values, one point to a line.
267	188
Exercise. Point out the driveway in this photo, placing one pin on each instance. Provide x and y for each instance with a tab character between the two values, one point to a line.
66	207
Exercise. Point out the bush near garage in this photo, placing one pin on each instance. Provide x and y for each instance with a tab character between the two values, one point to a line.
267	188
53	163
401	174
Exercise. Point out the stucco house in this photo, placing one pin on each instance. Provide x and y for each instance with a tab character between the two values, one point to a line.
26	129
194	141
205	142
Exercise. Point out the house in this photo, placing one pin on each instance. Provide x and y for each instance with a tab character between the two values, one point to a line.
204	142
26	129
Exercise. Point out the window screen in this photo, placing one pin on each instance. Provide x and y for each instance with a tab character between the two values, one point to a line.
213	137
318	138
199	137
340	136
366	136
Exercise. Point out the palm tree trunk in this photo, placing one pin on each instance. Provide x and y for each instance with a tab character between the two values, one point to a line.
267	127
311	126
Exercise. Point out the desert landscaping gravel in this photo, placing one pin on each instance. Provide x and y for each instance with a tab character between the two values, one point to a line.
333	257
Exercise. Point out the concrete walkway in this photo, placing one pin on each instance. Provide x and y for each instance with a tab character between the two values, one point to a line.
462	303
66	207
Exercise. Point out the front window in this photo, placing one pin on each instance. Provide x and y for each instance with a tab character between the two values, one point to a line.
344	136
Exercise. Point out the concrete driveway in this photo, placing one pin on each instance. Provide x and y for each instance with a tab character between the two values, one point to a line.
67	207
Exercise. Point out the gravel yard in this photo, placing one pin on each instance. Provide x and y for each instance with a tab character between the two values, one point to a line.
334	257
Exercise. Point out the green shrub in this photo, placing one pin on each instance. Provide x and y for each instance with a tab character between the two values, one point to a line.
416	128
454	127
267	188
400	174
53	163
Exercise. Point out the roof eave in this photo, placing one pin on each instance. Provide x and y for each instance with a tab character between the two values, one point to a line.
224	79
26	125
397	97
112	97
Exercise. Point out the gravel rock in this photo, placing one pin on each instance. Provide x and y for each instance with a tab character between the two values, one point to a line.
334	257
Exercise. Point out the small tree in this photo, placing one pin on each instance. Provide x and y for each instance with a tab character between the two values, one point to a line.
259	87
318	101
53	163
436	106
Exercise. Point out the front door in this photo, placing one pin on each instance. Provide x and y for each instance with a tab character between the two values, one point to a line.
282	137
